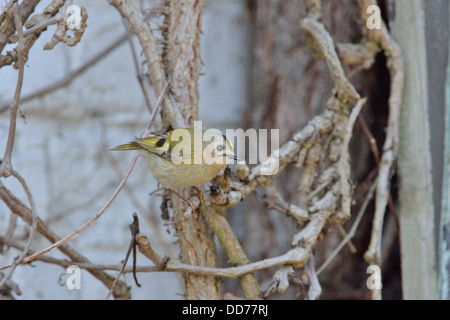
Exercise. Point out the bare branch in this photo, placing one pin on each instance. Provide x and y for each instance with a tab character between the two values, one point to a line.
134	228
5	166
390	147
36	24
236	255
314	289
344	160
83	265
325	44
26	8
297	257
280	281
360	54
61	32
34	221
136	66
352	231
286	154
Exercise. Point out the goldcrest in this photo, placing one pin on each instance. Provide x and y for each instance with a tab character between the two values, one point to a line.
184	157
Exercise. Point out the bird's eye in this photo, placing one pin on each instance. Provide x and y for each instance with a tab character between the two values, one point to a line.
219	147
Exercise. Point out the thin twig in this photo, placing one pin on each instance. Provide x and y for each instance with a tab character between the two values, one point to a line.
158	106
325	43
343	233
11	227
353	229
136	66
344	160
134	227
370	49
390	148
5	166
34	220
81	206
38	28
83	265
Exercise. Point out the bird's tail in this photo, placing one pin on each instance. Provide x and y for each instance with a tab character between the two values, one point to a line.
127	146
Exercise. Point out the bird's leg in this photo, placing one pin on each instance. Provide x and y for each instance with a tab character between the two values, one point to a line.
199	194
183	198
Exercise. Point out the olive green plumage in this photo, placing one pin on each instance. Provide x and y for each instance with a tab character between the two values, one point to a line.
184	157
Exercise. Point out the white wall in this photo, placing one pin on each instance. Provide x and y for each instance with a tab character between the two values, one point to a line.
61	148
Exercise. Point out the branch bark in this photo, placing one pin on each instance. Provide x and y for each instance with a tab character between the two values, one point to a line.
236	255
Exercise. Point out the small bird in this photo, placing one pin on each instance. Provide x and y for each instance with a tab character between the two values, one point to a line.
184	158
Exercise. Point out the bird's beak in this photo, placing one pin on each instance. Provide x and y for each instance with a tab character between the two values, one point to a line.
233	156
